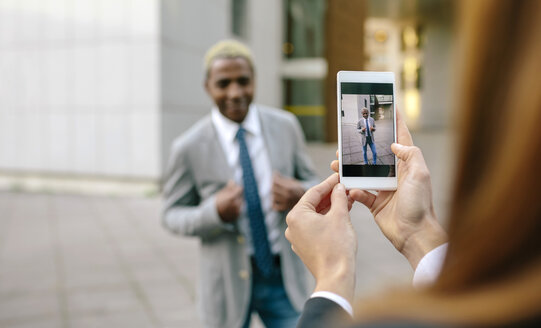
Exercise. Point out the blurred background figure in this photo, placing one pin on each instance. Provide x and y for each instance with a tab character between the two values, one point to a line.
92	94
230	181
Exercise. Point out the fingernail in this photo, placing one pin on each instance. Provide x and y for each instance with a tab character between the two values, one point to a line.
340	187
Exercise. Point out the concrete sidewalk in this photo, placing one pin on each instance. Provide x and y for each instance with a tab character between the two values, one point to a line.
89	261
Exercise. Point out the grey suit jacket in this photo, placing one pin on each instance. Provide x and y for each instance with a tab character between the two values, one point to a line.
197	169
362	124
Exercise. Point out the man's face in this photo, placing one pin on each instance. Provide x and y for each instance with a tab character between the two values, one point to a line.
365	114
230	83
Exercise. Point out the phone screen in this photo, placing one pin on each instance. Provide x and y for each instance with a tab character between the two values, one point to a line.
367	123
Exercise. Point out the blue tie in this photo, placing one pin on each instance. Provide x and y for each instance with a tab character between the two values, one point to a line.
262	252
367	128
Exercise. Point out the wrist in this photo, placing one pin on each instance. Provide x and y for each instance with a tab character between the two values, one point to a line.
339	281
429	236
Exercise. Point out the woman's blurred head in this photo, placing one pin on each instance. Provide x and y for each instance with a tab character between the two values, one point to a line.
492	271
496	211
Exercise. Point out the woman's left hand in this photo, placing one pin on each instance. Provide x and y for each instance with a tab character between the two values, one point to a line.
321	233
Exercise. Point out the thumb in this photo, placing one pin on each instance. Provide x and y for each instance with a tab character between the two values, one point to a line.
313	196
339	199
276	177
404	152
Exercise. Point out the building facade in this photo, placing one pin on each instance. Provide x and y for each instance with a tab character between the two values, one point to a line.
92	92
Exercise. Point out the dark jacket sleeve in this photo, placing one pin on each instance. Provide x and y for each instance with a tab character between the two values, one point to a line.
322	312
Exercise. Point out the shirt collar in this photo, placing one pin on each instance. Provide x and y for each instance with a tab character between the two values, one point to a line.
228	128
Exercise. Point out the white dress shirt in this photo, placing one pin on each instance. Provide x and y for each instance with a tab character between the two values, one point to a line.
426	272
367	122
429	267
226	131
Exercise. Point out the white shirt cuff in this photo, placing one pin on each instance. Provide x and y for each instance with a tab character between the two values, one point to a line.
429	267
426	272
336	299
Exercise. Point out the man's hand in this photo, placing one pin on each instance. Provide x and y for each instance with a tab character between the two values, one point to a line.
286	192
372	128
229	202
321	234
363	129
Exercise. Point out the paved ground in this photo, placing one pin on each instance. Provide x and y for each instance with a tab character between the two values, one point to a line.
89	261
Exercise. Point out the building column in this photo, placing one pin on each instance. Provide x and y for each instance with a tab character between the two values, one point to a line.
344	50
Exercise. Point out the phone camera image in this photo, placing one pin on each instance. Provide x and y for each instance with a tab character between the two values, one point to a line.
367	125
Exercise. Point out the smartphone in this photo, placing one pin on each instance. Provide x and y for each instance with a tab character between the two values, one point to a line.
366	129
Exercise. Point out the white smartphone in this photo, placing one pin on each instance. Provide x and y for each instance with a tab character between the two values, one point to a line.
366	129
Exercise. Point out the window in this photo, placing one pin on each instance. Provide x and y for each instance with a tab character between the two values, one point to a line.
304	98
305	30
304	67
239	18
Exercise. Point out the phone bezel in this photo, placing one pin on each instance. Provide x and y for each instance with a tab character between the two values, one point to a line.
366	183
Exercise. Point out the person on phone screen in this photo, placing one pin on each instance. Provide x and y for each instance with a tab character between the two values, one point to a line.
230	180
366	126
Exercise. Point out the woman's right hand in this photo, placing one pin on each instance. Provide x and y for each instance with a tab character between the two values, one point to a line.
405	216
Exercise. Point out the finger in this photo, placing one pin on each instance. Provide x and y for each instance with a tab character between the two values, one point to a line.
237	205
339	200
404	136
362	196
350	202
277	200
317	193
238	191
283	187
324	206
277	177
279	194
277	188
335	166
279	181
337	154
405	153
230	184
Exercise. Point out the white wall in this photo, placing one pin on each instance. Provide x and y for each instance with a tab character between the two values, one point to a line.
188	28
352	105
79	87
100	88
266	41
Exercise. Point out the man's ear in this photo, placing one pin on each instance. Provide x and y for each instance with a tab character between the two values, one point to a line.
206	84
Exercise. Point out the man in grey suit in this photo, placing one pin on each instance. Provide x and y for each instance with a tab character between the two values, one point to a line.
366	126
231	179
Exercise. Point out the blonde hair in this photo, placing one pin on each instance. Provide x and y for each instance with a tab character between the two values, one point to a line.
227	49
492	271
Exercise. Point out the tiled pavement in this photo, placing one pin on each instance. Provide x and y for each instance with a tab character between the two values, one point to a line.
90	261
